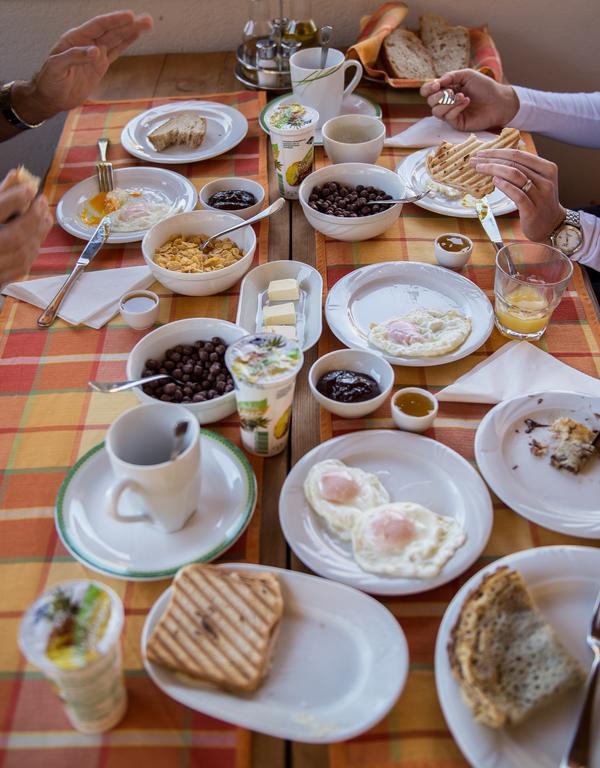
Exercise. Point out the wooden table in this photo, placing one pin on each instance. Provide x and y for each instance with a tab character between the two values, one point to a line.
178	75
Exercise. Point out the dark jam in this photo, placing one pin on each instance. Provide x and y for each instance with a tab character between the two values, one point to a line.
231	200
348	386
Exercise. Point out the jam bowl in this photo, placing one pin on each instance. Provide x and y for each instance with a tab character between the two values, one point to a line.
233	184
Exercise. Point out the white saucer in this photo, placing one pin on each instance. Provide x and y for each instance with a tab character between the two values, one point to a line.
138	551
352	104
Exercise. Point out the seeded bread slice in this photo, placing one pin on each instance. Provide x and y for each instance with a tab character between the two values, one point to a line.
187	129
449	47
406	56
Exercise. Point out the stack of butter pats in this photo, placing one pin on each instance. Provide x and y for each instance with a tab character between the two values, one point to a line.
279	314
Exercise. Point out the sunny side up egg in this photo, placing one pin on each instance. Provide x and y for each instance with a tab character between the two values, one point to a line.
406	540
421	333
340	494
129	210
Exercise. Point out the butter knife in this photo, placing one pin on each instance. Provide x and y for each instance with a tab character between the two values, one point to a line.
96	242
490	225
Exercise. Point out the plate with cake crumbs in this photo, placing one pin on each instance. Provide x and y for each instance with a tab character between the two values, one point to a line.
540	454
184	132
511	657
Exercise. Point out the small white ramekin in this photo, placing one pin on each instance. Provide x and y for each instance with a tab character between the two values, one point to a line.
452	259
139	320
414	423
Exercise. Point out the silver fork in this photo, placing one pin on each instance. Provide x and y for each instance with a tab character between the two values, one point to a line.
448	98
578	755
104	169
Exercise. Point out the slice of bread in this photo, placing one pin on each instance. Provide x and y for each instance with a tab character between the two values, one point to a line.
20	175
186	128
406	56
449	47
219	626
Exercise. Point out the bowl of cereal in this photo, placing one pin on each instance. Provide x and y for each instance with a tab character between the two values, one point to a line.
170	249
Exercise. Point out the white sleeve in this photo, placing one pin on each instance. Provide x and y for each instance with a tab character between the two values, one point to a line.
570	117
590	251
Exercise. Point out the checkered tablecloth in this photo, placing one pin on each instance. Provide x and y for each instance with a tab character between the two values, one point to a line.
414	735
48	419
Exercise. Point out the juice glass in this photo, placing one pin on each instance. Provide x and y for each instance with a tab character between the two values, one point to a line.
526	300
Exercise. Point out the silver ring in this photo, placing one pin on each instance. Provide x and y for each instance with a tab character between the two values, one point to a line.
527	186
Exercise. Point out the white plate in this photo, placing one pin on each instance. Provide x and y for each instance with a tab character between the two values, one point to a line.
138	551
413	172
253	297
564	584
554	498
411	468
225	127
339	665
352	104
167	186
378	292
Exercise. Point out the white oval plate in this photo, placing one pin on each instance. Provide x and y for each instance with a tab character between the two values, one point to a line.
551	497
413	172
253	296
225	128
339	665
378	292
138	551
411	468
170	187
564	584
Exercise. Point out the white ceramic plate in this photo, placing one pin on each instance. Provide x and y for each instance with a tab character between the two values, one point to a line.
564	582
164	186
225	127
413	172
380	291
554	498
253	297
352	104
138	551
411	468
339	665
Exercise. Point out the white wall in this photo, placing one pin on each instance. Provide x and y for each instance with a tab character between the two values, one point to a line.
543	44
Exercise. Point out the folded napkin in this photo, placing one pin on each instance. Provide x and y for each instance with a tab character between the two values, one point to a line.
517	368
429	131
93	300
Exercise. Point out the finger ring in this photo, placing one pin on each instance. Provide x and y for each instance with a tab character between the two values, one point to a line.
527	186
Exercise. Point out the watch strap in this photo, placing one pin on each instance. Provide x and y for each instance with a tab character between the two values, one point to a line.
573	218
8	111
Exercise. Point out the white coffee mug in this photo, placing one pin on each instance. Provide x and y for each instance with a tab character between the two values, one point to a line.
161	491
322	89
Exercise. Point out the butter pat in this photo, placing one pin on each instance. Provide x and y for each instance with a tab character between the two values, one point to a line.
283	290
289	331
280	314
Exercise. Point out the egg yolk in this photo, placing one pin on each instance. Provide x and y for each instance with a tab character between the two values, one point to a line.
393	532
403	332
338	487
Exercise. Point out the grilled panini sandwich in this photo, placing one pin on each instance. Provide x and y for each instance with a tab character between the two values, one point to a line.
187	129
220	626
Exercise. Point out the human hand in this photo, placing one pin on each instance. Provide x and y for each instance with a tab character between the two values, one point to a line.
76	64
539	207
480	101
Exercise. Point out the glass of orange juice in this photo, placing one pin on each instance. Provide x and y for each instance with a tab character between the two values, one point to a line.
526	299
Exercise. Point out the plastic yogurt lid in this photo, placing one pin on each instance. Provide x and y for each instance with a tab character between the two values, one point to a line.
263	358
292	117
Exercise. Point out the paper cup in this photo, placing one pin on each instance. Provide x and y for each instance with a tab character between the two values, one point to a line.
264	401
93	692
293	146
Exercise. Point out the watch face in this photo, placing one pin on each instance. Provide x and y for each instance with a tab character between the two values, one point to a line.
568	238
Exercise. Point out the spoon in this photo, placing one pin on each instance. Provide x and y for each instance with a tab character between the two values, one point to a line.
273	208
324	38
181	429
121	386
412	199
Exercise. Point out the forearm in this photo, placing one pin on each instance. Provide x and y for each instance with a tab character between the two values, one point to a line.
590	251
27	105
570	117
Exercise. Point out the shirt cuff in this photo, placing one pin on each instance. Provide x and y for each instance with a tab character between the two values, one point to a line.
589	253
527	108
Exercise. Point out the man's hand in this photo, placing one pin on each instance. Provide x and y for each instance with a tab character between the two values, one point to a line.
480	101
539	207
76	64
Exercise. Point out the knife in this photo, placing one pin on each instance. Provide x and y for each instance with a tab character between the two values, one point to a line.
96	242
489	224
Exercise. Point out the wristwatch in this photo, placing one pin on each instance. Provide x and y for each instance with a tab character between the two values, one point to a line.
568	236
8	112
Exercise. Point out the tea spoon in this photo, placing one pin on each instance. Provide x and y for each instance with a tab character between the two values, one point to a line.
273	208
412	199
121	386
181	429
324	38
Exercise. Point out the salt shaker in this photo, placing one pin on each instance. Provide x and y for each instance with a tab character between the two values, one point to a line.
267	63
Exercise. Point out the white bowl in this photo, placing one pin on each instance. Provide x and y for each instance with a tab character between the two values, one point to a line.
233	182
353	138
197	223
452	259
363	227
352	360
187	331
414	423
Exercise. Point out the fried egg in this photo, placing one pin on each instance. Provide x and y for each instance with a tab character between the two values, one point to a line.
130	210
341	494
421	333
405	539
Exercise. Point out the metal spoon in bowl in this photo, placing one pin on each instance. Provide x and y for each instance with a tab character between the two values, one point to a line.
273	208
121	386
324	38
412	199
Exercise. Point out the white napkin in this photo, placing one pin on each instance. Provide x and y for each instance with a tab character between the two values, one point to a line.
93	300
430	131
517	368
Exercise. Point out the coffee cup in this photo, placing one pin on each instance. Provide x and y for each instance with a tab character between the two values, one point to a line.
161	491
322	89
353	138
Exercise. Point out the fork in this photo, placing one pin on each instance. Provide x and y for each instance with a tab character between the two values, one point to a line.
578	755
448	98
104	169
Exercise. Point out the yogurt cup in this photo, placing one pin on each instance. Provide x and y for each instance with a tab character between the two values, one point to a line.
86	673
264	367
292	129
